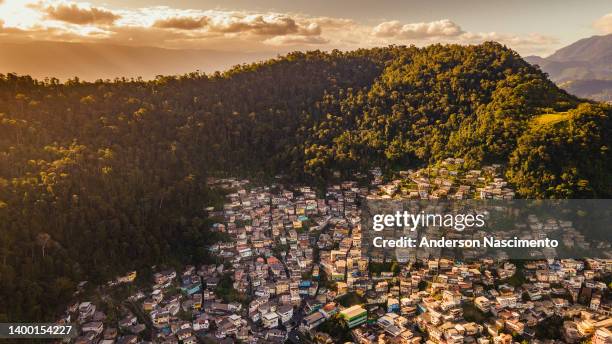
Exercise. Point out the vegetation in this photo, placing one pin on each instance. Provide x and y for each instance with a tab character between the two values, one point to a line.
550	118
550	328
518	278
565	161
97	179
471	313
336	328
350	299
377	268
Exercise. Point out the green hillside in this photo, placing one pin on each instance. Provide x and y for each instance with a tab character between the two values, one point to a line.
98	178
550	118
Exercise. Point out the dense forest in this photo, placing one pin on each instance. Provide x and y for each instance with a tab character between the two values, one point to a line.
98	178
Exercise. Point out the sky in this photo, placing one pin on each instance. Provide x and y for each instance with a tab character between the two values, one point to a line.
534	27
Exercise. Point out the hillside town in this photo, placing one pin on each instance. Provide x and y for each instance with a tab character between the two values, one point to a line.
291	269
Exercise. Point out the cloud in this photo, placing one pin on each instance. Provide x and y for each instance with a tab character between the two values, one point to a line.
271	24
439	28
178	28
235	23
296	40
446	31
182	23
74	14
512	40
333	23
604	24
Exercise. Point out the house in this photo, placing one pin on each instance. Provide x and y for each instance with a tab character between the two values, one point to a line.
160	318
137	329
242	334
354	316
160	279
329	309
197	301
183	334
502	338
515	326
99	316
95	326
226	327
201	323
128	278
129	339
313	320
313	306
602	336
482	303
506	300
234	307
211	282
157	295
82	340
190	340
393	305
110	333
255	315
276	336
270	320
149	304
192	288
285	313
86	310
128	321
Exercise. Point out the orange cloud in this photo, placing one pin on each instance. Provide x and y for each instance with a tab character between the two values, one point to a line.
181	23
604	24
296	40
268	24
258	24
169	27
76	15
439	28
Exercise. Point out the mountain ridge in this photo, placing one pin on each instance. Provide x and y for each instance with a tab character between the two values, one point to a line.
582	67
586	49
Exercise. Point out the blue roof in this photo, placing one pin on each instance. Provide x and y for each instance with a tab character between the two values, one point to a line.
305	283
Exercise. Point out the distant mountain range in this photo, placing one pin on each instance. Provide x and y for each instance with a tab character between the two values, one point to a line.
583	68
91	61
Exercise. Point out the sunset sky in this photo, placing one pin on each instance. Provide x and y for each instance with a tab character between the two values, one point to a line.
530	27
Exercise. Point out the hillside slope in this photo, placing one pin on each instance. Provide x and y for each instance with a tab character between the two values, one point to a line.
99	178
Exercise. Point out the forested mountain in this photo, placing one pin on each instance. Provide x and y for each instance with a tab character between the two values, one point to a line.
583	68
98	178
